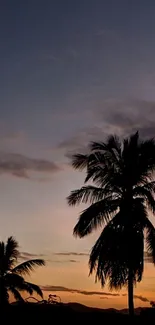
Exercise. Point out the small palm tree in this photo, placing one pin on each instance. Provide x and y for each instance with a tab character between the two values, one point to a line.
11	274
120	202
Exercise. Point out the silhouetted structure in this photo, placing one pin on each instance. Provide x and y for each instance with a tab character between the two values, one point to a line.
11	274
32	313
120	201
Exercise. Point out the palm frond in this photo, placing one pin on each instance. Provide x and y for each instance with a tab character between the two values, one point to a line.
11	252
130	146
16	281
2	250
147	194
13	280
4	296
85	194
34	288
96	215
134	141
147	150
122	173
28	266
3	266
115	249
139	162
107	259
113	142
146	160
103	171
11	249
16	294
150	239
111	150
150	186
79	161
139	213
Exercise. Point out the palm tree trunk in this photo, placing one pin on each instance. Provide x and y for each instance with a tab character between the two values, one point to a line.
130	293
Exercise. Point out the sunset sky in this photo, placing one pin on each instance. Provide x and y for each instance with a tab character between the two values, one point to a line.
71	71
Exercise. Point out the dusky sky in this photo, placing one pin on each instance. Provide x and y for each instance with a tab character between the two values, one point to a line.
71	71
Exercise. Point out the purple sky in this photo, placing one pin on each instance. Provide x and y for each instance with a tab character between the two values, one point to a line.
71	71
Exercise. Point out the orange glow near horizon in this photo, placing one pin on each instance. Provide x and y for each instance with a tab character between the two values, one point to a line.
76	277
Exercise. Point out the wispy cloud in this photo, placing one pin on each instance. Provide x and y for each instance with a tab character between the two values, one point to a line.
114	116
20	165
80	140
50	258
82	292
71	254
102	294
126	116
62	261
144	299
27	256
147	257
140	297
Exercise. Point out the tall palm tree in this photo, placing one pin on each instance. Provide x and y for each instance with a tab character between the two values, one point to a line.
11	274
120	202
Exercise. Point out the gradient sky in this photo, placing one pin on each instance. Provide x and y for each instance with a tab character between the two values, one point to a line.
71	71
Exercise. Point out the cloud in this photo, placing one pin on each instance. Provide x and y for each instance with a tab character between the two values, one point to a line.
127	116
80	140
71	254
82	292
63	261
102	294
114	116
147	257
142	298
28	256
14	136
20	165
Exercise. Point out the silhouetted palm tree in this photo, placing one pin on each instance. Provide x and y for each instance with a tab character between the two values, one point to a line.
11	274
120	202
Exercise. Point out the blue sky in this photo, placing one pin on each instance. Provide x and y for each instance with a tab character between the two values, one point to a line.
71	71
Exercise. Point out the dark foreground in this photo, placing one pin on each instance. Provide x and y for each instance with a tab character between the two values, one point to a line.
49	314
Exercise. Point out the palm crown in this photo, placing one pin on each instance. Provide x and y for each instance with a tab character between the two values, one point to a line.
120	201
11	274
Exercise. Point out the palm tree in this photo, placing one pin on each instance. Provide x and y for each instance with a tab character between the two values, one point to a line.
120	202
11	274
